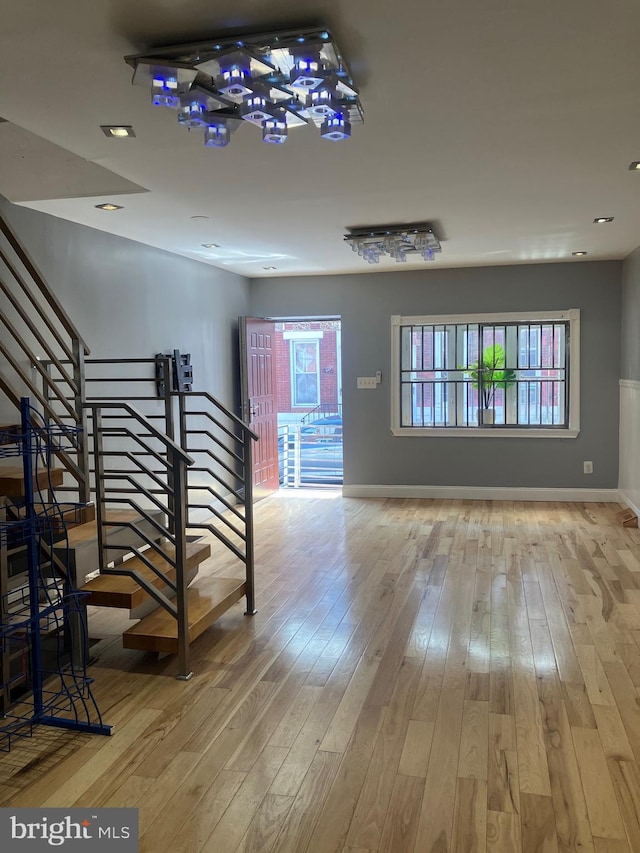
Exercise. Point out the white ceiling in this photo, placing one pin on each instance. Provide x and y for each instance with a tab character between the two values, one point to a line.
509	124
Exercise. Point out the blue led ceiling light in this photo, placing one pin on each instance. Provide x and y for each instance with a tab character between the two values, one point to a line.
164	91
275	130
324	102
277	81
336	128
191	113
400	242
217	134
308	70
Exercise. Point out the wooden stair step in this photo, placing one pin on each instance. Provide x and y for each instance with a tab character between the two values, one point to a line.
80	546
158	632
9	432
124	591
62	516
12	480
87	532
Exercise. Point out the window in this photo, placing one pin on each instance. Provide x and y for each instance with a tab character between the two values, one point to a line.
305	380
486	375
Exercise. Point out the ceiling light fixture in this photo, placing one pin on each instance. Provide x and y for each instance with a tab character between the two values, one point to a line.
635	166
117	131
397	241
600	219
109	206
578	254
276	81
210	245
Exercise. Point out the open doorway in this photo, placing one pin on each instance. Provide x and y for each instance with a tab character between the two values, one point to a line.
307	355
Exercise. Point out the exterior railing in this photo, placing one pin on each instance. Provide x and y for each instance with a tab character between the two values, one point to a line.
309	458
323	410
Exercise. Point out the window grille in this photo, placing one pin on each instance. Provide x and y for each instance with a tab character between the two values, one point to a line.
513	374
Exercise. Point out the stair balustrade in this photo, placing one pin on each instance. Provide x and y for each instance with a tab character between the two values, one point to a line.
122	477
139	458
221	444
41	331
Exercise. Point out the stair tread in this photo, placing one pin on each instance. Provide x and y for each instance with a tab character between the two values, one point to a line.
9	433
124	591
89	530
206	602
12	479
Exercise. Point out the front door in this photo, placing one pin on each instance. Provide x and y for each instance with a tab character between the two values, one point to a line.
259	409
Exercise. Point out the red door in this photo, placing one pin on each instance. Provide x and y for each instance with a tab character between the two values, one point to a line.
259	409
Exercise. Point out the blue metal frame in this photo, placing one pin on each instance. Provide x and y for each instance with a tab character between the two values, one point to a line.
60	697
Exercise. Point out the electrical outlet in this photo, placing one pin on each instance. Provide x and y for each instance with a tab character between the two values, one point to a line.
369	382
588	467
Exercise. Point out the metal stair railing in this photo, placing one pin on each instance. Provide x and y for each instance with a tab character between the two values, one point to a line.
123	478
220	440
322	410
41	332
222	446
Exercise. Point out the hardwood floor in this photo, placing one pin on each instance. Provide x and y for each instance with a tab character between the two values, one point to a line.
422	676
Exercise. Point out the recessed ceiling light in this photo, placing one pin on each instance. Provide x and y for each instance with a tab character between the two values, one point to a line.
109	206
269	268
578	254
635	166
210	245
600	219
119	131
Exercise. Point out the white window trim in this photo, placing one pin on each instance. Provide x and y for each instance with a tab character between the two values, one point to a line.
301	336
572	431
292	372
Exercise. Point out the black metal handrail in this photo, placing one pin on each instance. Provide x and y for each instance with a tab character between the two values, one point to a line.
37	324
222	478
170	498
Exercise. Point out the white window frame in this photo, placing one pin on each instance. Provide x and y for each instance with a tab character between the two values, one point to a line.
299	339
571	431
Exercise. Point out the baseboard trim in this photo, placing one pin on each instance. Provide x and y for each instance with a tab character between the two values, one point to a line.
628	502
485	493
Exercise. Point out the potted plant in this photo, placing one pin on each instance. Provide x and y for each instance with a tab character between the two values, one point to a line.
487	375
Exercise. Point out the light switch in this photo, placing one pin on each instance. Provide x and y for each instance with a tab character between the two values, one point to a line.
368	382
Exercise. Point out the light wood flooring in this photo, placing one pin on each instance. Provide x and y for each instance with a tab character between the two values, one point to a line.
422	676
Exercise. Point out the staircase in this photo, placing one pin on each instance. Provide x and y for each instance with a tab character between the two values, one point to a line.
145	481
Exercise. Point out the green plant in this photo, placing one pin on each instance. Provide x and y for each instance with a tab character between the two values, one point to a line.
489	373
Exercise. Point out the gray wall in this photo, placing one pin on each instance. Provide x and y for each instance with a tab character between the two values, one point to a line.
366	302
129	300
630	329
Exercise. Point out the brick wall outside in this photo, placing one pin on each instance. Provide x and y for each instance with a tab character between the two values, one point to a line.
329	367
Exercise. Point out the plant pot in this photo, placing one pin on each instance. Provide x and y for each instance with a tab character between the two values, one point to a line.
485	417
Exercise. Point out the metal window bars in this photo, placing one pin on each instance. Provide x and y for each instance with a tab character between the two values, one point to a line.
503	375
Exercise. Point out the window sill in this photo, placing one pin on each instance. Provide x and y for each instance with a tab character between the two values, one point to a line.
484	432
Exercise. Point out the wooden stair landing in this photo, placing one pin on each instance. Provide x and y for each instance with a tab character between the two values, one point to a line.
158	632
124	591
12	480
